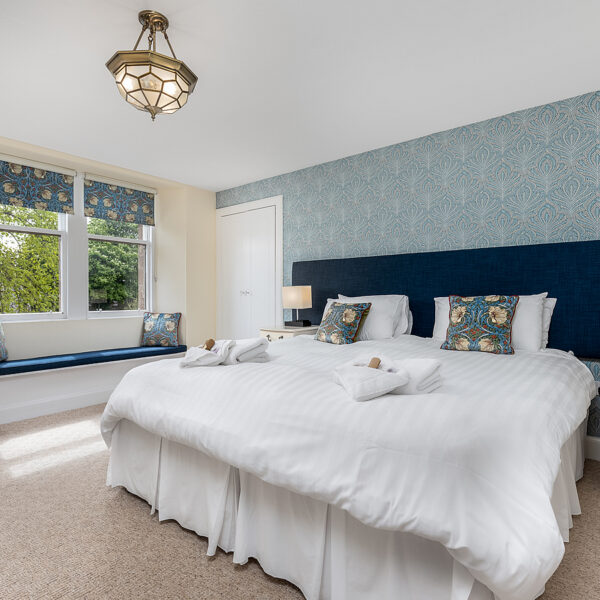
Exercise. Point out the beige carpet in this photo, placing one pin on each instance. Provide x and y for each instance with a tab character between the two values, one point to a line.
64	534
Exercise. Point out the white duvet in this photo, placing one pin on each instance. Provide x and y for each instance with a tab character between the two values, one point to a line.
471	465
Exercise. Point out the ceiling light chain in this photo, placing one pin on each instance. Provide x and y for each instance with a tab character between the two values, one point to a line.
149	80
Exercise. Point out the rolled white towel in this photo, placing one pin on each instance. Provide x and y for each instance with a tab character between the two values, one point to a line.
248	350
364	383
199	357
424	375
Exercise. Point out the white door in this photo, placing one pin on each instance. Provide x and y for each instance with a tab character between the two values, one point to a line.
248	273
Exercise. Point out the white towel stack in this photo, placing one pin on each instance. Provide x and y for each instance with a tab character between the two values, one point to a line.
408	376
227	352
364	383
424	375
248	350
199	357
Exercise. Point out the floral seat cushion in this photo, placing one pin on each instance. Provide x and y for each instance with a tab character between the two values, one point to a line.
341	322
481	324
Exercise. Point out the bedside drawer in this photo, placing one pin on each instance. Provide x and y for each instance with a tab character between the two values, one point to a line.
274	336
277	334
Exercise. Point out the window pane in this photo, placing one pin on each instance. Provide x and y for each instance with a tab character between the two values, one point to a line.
115	229
29	272
28	217
117	276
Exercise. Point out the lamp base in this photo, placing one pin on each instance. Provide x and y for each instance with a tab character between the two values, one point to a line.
298	323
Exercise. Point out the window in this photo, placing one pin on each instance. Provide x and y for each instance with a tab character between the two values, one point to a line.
30	260
118	261
72	247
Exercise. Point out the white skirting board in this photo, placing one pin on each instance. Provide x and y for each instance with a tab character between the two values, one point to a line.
592	447
28	395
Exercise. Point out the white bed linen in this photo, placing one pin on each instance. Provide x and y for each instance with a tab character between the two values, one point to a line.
327	553
361	562
200	492
471	466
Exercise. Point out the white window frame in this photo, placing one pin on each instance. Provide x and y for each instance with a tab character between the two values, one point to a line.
74	270
61	233
147	242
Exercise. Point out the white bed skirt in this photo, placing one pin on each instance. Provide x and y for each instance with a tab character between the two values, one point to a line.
320	548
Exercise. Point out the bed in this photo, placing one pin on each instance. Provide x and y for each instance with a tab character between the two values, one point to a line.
462	494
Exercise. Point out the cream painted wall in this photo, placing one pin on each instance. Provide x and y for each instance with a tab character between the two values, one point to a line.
44	338
201	274
184	267
170	255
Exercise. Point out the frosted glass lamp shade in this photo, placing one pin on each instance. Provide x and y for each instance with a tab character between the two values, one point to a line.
152	82
297	296
148	80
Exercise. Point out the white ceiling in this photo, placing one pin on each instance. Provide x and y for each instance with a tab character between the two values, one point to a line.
285	84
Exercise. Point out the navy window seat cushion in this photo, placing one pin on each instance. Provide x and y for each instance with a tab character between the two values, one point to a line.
44	363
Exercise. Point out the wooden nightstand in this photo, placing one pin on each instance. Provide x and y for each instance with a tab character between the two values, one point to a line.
273	334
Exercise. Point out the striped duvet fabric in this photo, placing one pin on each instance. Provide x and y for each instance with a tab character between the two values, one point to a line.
471	466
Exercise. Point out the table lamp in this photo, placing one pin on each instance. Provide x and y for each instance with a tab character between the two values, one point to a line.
297	296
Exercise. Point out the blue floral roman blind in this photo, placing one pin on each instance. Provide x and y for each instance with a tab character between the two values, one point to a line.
31	187
116	203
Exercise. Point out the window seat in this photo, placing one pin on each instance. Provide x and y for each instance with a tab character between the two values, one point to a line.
60	361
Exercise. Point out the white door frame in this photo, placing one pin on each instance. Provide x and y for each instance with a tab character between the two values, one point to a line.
277	202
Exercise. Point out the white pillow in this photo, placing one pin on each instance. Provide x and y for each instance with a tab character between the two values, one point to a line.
327	305
403	318
527	325
442	318
549	304
405	321
383	316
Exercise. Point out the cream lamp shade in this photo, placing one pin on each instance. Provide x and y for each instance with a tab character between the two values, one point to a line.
297	296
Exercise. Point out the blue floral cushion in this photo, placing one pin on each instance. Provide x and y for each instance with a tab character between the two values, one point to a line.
161	329
481	324
3	350
341	322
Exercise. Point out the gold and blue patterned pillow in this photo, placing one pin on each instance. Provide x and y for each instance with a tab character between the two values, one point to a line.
161	329
341	322
481	324
3	350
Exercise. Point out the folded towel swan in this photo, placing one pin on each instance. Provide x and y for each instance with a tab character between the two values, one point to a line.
409	376
227	352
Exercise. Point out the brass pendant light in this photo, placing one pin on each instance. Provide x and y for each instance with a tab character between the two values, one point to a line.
149	80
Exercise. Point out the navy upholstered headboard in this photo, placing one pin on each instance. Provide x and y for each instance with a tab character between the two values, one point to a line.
567	271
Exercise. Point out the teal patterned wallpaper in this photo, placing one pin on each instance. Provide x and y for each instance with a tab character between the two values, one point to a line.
529	177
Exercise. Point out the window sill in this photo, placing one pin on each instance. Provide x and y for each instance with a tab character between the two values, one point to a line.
114	314
33	317
53	317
